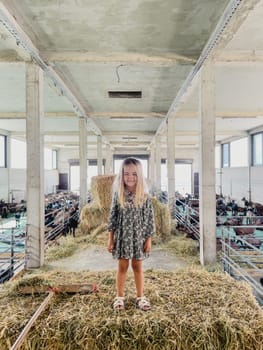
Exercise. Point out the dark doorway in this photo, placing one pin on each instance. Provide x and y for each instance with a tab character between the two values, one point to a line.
63	181
196	184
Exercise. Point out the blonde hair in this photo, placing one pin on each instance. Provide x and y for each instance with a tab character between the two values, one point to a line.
141	188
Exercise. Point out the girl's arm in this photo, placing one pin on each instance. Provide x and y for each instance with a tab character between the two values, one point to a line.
112	222
148	216
113	216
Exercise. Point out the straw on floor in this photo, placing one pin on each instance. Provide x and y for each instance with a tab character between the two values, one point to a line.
192	309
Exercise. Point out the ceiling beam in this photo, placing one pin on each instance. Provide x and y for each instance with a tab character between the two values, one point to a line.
131	57
239	56
128	115
22	115
180	114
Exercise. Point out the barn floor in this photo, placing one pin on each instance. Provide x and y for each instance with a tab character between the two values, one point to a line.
96	258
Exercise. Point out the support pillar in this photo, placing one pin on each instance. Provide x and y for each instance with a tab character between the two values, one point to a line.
207	193
158	164
152	168
171	160
83	161
108	165
35	167
99	154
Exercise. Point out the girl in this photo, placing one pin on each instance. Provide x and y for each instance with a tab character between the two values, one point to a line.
130	226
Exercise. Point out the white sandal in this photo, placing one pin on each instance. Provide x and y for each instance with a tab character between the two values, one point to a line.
143	304
118	303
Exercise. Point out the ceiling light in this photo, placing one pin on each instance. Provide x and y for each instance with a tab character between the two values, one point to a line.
127	118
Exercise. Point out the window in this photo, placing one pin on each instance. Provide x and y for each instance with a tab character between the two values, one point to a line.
257	149
183	176
239	152
54	159
50	159
217	157
225	155
17	154
2	151
92	170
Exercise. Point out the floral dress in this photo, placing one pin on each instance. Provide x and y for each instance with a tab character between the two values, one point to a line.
131	227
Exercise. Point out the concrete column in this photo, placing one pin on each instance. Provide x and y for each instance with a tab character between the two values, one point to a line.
99	154
35	167
108	165
171	160
152	168
249	166
158	164
207	194
8	162
83	161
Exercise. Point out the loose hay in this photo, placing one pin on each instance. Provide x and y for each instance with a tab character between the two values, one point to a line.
67	246
183	246
192	309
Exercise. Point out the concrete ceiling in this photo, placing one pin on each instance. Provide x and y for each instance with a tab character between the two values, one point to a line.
88	48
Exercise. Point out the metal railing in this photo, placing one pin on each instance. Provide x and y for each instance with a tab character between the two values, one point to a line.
244	262
186	216
12	258
239	257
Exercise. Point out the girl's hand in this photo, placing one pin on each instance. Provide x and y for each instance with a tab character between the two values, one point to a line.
110	243
148	245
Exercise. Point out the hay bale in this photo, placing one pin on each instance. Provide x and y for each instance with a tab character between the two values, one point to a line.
91	216
162	220
101	189
192	309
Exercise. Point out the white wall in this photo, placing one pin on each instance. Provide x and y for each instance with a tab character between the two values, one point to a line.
17	183
257	184
235	183
4	184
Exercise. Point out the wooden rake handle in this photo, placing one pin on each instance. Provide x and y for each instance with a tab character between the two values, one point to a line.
24	332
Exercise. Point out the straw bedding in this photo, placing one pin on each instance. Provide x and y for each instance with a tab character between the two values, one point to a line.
192	309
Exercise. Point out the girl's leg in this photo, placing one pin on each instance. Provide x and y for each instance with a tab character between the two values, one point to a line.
141	302
138	276
123	265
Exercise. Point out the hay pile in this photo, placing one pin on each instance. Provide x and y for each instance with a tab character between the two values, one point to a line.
91	216
183	246
162	220
191	310
95	215
101	190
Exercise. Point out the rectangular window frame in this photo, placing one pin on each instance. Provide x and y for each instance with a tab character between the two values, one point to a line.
254	150
225	155
3	158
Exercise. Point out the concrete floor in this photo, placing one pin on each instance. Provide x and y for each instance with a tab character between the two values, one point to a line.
96	258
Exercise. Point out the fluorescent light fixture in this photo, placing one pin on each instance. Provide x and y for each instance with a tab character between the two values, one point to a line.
127	118
130	138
